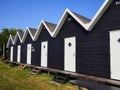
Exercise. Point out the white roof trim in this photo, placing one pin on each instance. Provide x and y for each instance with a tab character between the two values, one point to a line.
76	18
40	29
62	20
10	39
25	35
20	37
47	28
98	14
67	12
87	26
30	33
60	23
17	36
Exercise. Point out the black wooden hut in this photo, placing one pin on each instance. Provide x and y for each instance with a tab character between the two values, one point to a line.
10	47
86	46
96	45
77	44
26	46
104	59
43	45
17	46
68	35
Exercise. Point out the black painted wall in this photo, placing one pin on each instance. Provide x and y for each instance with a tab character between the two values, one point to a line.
99	42
15	50
36	56
24	48
9	50
93	48
69	29
14	53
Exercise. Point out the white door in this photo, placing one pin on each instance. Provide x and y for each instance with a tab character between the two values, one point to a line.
115	54
11	54
29	49
70	54
18	53
44	53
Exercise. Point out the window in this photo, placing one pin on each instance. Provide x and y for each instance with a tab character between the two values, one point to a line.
69	44
44	46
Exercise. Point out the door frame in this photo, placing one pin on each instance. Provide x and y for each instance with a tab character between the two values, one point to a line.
114	54
69	65
18	53
29	52
44	53
11	53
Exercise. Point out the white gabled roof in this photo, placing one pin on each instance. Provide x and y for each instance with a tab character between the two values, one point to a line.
19	36
87	26
10	39
43	24
54	29
98	15
26	33
64	17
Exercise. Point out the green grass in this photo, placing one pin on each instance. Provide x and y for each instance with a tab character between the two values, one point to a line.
13	79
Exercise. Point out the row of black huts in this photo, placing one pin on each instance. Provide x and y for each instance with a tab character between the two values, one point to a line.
75	44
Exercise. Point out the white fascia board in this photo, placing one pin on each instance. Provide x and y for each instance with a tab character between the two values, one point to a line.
60	23
8	43
87	26
16	38
24	36
19	37
30	33
98	15
38	31
47	28
62	20
12	39
76	18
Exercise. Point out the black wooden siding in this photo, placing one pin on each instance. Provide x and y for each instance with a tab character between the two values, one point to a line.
9	50
15	47
24	49
97	62
69	29
100	44
93	48
23	53
91	52
36	56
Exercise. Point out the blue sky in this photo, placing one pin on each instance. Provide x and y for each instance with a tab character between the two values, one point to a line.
29	13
